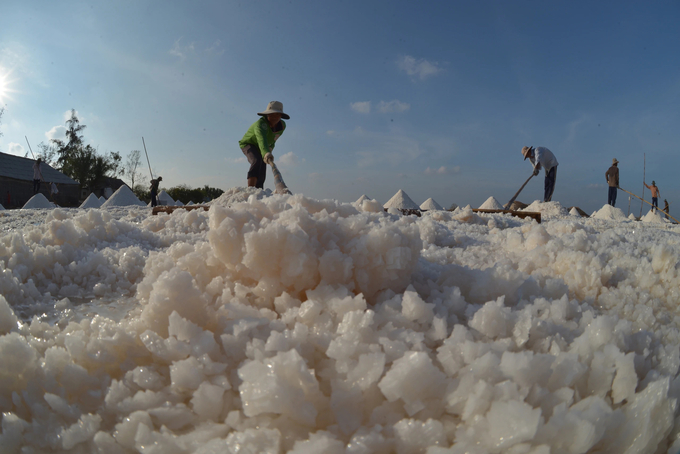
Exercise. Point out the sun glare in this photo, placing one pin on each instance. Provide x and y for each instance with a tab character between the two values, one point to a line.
5	86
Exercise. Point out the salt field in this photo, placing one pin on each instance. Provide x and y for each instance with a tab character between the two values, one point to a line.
285	324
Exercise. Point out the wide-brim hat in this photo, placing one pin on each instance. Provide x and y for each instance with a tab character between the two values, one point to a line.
275	107
526	151
614	161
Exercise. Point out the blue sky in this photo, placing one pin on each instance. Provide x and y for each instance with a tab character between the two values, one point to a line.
434	97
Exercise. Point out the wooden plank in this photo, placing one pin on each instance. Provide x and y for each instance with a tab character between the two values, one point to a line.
520	214
170	209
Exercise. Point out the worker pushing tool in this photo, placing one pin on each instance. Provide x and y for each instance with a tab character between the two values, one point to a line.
259	141
612	176
655	194
541	157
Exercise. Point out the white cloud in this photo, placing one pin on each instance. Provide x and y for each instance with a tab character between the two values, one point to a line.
419	68
393	106
442	170
361	107
180	51
288	159
597	186
57	132
16	149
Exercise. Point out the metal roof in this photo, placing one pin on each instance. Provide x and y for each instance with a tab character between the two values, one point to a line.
19	168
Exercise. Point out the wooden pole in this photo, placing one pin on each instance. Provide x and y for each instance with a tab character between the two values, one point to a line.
29	147
644	170
507	205
628	206
147	158
643	200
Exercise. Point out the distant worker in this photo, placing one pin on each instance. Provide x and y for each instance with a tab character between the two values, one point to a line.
655	194
154	191
612	176
37	176
53	191
541	157
258	142
666	208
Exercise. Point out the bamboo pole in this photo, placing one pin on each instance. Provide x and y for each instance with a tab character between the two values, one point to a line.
147	158
643	200
29	147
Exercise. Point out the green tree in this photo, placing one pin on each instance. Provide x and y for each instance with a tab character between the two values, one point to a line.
67	150
142	192
212	193
48	154
81	162
185	194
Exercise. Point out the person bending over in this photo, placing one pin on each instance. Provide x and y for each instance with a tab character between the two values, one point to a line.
258	142
541	157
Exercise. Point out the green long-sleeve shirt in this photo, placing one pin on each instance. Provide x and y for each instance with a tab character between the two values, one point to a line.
261	135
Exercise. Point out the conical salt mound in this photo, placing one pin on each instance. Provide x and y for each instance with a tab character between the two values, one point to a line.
653	217
453	207
632	217
102	199
491	204
190	202
91	202
179	203
37	201
165	199
430	205
574	212
1	207
123	197
361	199
609	212
401	201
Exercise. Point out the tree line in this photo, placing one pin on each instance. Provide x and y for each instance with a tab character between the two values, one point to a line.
86	165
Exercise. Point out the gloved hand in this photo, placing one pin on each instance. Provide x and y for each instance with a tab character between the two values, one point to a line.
268	158
535	172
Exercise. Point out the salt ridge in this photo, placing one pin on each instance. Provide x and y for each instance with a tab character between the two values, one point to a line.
278	323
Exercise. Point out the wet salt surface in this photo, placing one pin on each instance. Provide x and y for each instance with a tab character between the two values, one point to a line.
287	324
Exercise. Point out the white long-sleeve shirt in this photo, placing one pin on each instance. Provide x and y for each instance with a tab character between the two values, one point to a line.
543	158
37	174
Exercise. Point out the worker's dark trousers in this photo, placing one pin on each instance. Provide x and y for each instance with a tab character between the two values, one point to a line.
258	168
611	199
36	186
550	184
655	203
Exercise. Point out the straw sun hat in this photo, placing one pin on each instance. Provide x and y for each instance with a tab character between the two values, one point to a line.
275	107
526	151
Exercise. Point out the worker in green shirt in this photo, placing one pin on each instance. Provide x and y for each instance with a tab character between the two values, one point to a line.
258	142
